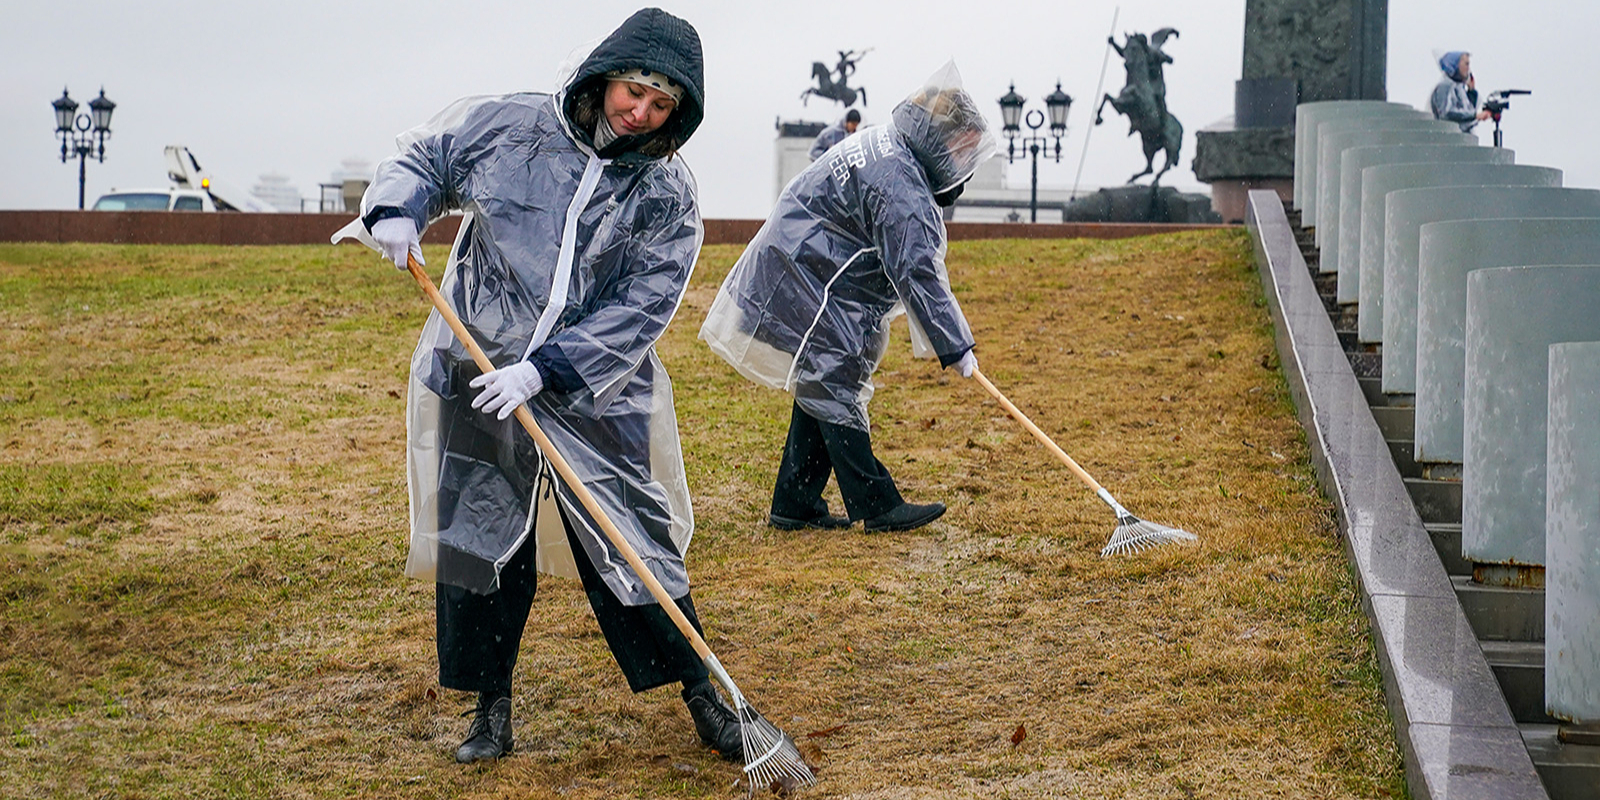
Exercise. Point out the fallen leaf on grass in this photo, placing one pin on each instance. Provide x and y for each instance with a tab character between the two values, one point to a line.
1018	735
784	786
928	423
825	732
431	694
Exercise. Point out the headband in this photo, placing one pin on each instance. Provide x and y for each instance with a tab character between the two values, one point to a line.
650	78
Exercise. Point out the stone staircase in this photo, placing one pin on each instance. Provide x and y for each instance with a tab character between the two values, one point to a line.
1507	621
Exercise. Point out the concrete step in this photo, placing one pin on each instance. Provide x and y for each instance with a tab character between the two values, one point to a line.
1400	451
1569	771
1372	389
1396	422
1436	501
1500	613
1345	318
1447	540
1366	365
1519	667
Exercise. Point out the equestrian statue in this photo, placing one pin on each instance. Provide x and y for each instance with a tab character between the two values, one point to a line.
1144	99
833	88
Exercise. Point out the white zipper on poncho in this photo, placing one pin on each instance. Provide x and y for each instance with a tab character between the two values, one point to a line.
569	247
789	381
553	309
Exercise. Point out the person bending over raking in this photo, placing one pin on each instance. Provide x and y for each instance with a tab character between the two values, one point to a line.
580	233
856	238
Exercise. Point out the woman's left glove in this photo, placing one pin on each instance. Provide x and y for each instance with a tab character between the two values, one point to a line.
506	389
967	364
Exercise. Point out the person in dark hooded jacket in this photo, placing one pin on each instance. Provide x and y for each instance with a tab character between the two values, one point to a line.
835	133
856	239
581	228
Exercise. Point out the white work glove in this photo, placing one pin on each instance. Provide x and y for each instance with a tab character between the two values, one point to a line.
967	364
507	388
398	236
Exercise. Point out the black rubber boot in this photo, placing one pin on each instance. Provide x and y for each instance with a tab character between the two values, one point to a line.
489	736
717	724
905	516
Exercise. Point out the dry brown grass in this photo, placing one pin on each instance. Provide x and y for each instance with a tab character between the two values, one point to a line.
201	541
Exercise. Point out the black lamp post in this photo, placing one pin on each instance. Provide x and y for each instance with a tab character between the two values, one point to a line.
1011	115
83	135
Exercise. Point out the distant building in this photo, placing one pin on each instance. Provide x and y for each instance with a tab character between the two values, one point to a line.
345	186
793	151
275	190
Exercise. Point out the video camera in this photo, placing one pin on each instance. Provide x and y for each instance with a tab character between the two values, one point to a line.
1496	103
1501	100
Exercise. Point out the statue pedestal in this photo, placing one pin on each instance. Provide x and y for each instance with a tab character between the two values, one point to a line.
1236	160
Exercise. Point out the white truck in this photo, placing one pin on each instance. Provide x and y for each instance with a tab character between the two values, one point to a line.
186	173
194	189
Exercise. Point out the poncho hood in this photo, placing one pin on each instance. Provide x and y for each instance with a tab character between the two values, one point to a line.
944	129
655	40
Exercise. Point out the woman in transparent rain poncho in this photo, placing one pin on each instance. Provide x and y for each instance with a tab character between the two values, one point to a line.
580	231
856	239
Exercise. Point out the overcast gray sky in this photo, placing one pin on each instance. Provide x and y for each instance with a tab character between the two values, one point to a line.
295	86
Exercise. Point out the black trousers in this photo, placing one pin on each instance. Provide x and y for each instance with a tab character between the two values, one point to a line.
478	635
815	449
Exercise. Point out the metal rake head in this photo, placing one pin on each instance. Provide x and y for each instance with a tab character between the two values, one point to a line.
1134	534
770	755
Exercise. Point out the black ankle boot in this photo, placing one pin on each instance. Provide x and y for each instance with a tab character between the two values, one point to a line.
717	724
905	517
489	736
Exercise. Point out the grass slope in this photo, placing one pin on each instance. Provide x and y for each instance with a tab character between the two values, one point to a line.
202	512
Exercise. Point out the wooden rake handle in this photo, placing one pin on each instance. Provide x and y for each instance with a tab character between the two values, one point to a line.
563	469
1043	437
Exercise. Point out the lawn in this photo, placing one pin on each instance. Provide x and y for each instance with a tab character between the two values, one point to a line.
202	530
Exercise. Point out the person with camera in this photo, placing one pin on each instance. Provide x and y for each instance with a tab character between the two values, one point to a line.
1456	97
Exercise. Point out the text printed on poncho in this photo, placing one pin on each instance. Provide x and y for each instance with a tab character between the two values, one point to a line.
857	151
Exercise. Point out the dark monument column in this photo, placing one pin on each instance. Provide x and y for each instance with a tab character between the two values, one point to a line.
1295	51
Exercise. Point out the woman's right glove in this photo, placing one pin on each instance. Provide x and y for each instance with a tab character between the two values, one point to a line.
398	236
967	364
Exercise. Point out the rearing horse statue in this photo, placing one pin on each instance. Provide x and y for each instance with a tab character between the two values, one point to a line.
1143	99
837	90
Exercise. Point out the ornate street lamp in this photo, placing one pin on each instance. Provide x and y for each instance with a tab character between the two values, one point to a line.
83	135
1011	115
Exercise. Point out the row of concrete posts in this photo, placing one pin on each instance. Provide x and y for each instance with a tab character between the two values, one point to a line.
1478	281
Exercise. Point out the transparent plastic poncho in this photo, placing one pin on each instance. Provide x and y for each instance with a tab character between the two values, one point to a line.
855	240
556	246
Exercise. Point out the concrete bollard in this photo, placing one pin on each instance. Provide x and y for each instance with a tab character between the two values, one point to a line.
1376	184
1572	536
1334	143
1452	191
1308	115
1514	314
1321	166
1448	253
1407	212
1346	248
